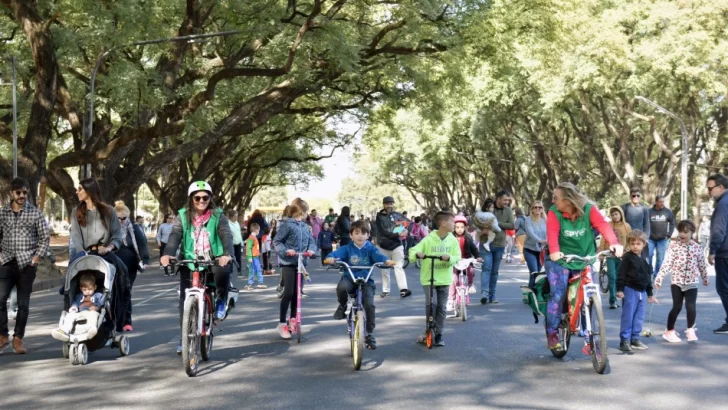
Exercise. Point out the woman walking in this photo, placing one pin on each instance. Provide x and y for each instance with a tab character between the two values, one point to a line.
133	252
343	226
535	240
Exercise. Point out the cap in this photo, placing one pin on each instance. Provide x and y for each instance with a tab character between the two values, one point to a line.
388	200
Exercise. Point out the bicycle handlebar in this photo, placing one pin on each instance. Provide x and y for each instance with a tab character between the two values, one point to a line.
466	263
569	258
350	267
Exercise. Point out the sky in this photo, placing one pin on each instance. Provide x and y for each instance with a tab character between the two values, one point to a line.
335	169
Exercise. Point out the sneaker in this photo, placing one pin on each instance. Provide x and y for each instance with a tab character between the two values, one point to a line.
671	336
384	294
439	341
624	346
471	290
723	330
690	334
261	286
370	342
248	287
483	300
552	340
340	312
450	305
493	300
220	309
638	345
60	334
405	292
128	328
282	329
612	305
18	346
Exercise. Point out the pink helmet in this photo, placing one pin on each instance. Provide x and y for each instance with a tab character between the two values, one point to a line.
461	218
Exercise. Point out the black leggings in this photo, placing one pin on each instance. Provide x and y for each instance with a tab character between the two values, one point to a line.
690	296
290	296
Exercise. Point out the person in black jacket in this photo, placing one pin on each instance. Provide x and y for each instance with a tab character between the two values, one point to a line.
343	227
390	244
634	286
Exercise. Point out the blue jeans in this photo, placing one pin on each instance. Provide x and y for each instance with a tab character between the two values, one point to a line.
255	270
633	314
661	247
533	261
491	265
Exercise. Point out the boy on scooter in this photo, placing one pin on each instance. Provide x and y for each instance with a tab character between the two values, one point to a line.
440	243
358	252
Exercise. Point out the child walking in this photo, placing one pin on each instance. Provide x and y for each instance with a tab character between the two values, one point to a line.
252	248
325	241
440	242
685	263
634	286
621	230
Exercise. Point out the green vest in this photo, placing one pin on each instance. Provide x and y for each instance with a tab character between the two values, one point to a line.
188	245
576	238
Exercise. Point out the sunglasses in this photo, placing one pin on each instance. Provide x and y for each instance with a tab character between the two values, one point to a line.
203	198
636	196
710	188
21	193
537	207
122	218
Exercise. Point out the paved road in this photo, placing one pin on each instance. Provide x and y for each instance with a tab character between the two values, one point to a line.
497	359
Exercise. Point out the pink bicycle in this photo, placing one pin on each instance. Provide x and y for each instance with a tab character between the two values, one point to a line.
462	298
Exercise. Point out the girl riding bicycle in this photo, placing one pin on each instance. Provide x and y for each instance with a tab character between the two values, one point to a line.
293	236
468	249
569	231
204	233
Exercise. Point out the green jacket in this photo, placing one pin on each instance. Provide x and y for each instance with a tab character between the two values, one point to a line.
505	221
221	239
432	245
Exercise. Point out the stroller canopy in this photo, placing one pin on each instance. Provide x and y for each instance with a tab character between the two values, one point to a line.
93	263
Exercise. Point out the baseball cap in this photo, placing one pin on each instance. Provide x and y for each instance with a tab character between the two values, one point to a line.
387	200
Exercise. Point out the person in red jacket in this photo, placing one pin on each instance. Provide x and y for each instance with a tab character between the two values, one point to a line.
569	231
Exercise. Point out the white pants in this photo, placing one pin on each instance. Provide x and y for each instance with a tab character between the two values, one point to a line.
91	317
397	255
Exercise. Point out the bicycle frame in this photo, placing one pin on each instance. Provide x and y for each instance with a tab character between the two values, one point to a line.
579	294
199	290
359	295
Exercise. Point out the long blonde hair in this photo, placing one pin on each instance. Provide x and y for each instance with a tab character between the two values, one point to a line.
577	199
543	211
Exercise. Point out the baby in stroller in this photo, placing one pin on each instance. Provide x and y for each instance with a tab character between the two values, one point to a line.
83	315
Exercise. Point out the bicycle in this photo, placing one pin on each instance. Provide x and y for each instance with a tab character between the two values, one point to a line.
198	314
462	298
583	296
294	323
356	319
429	335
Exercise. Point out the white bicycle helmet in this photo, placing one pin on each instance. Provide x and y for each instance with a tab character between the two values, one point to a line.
198	186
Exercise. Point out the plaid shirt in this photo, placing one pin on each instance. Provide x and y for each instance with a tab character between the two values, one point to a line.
23	236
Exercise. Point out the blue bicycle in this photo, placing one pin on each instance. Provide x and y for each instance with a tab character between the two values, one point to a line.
357	318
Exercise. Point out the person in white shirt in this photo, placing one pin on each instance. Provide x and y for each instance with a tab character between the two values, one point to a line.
163	235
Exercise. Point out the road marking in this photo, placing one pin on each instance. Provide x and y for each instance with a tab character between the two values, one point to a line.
158	294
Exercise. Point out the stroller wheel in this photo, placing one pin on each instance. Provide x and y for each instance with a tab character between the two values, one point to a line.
82	354
66	348
124	346
73	354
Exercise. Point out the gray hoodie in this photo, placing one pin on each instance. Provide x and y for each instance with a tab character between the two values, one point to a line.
94	233
292	234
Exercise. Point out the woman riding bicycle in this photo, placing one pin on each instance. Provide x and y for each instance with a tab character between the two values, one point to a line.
569	231
204	233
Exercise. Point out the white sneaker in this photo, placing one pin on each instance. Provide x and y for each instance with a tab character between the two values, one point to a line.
471	290
282	329
690	334
671	336
450	305
59	334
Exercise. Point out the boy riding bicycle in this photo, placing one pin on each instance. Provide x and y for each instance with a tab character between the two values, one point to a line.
359	252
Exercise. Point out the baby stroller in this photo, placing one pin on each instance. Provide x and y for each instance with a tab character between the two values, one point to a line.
81	341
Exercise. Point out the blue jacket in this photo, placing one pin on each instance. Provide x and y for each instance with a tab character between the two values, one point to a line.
97	299
325	240
367	255
294	235
719	228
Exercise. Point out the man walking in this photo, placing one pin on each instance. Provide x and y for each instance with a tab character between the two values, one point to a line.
492	259
662	224
637	216
390	244
718	249
331	217
25	238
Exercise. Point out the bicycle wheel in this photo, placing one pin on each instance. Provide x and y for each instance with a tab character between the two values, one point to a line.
604	277
598	340
357	342
206	340
463	305
190	336
564	337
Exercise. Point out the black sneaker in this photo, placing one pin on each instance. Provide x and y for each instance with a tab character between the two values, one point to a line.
340	312
405	292
723	330
625	347
439	341
370	342
483	300
638	345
